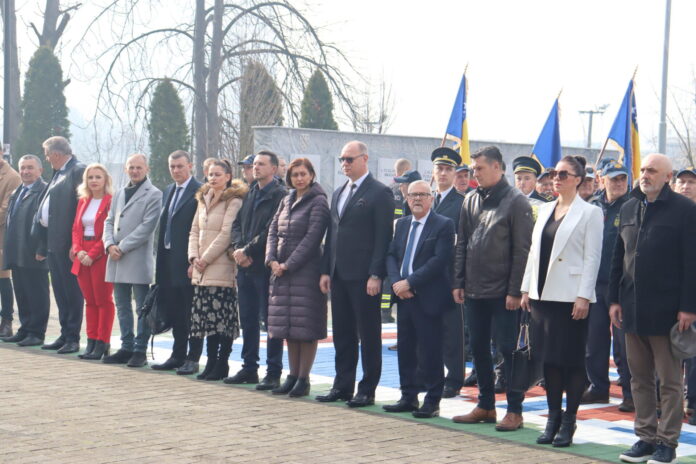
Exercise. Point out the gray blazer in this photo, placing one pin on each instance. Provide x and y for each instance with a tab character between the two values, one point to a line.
131	226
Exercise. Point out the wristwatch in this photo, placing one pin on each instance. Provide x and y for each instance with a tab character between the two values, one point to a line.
374	276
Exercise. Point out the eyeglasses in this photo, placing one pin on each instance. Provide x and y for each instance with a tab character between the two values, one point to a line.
562	175
418	195
347	159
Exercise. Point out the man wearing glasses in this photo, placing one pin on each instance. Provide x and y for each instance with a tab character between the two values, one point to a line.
493	242
353	266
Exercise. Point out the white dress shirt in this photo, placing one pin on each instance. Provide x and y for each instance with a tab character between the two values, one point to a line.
416	237
346	190
43	219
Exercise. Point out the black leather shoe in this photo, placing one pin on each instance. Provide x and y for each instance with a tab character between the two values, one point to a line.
18	337
301	388
168	365
56	345
120	357
361	400
187	368
243	376
100	350
334	395
553	423
403	405
564	437
427	411
69	347
450	392
30	340
269	383
137	360
88	349
284	389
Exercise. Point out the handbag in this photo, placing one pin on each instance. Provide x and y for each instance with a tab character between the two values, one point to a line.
156	317
526	371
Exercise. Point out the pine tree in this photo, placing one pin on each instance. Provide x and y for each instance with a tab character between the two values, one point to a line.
43	107
168	131
317	104
260	104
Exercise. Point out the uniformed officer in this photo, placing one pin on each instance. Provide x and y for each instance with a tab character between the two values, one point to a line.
448	202
527	170
409	176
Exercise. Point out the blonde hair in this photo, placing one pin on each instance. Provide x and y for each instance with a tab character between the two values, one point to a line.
83	189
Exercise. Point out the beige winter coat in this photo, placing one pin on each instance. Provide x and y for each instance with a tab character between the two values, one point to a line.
210	234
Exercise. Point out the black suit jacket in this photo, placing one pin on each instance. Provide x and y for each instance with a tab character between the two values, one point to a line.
431	280
20	245
451	206
172	272
57	238
357	242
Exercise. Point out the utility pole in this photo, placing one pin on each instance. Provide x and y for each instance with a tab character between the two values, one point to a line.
597	110
662	139
8	65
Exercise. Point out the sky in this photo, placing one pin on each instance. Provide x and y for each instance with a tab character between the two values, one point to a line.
520	55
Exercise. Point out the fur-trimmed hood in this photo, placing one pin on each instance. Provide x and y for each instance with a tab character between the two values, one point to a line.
238	189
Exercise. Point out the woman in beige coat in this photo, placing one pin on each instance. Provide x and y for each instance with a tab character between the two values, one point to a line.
214	313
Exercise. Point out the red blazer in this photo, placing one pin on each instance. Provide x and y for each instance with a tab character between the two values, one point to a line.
95	249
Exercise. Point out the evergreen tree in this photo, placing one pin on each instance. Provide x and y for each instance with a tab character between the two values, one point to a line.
168	131
260	104
44	111
317	104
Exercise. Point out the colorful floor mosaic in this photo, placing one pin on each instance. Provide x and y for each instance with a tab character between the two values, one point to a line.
603	431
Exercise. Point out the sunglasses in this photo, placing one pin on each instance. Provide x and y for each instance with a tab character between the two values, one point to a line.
562	175
347	159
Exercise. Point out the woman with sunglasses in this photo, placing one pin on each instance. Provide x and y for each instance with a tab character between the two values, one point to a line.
558	287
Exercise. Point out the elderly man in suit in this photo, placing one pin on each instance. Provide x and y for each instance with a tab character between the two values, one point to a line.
53	224
29	275
9	181
129	235
176	291
419	265
353	266
448	202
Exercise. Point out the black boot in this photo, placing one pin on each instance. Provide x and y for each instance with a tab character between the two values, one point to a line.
564	437
212	346
100	350
553	423
88	349
286	387
301	388
222	366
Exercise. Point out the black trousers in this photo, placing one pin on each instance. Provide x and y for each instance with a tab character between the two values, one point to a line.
68	296
6	298
33	303
178	302
356	321
453	346
418	337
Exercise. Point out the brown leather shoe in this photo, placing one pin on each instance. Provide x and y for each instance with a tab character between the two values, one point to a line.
476	416
510	422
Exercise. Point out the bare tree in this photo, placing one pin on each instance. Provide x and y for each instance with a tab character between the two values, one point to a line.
375	110
55	19
684	124
219	39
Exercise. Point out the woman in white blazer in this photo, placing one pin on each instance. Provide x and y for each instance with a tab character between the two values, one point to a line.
558	287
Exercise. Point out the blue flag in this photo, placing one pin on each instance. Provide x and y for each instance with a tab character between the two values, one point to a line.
457	127
624	132
547	149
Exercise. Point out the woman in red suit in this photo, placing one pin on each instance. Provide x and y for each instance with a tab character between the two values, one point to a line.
89	263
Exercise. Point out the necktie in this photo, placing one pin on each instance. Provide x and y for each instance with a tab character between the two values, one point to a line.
350	195
438	197
168	229
18	200
409	249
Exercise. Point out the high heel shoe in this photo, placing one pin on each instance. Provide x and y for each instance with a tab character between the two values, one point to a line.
100	350
564	437
553	423
209	365
88	350
284	389
301	388
220	371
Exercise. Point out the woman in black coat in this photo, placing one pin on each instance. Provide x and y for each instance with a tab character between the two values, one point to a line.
297	307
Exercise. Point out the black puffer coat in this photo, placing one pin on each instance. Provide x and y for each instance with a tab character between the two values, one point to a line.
296	307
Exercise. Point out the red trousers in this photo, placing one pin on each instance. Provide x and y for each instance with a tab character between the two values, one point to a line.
99	302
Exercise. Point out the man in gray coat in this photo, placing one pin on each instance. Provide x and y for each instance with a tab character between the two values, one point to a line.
129	233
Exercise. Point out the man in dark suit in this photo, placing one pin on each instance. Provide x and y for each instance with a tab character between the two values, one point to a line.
353	266
29	275
448	203
53	222
419	265
171	271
